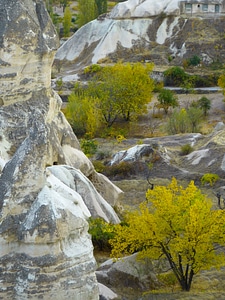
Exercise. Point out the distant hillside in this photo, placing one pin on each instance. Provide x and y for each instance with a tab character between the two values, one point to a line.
152	33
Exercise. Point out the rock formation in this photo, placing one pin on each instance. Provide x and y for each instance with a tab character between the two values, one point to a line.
130	273
158	31
164	153
46	193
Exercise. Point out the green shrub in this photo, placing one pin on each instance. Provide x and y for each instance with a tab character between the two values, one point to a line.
209	178
99	166
92	69
175	76
59	84
204	104
195	116
179	122
89	147
167	99
186	149
194	60
205	81
101	232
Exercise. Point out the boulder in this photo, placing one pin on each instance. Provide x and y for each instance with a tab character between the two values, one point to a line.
128	272
79	183
46	196
105	293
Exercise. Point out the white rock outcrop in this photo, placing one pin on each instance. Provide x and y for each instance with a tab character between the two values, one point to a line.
46	192
145	30
145	8
127	25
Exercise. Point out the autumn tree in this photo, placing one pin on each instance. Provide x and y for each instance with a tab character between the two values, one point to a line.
178	224
221	83
123	89
82	112
167	99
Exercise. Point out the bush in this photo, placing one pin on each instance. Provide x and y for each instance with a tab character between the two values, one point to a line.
186	149
89	147
92	69
194	60
179	122
167	99
167	279
158	86
209	178
175	76
82	113
204	104
101	232
99	166
195	116
100	155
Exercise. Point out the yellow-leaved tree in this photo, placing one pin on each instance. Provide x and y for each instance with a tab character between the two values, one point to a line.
124	89
221	83
121	90
83	115
178	224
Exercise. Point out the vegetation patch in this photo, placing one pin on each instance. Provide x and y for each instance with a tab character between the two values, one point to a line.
209	178
175	223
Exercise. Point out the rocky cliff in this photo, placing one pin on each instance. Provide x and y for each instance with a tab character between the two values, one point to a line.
157	31
48	187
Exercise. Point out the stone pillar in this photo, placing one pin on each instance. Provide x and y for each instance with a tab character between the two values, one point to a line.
45	249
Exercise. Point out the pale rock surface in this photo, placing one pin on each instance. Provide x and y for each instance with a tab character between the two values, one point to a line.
142	30
127	25
145	8
105	293
128	272
164	153
76	181
45	249
28	22
132	154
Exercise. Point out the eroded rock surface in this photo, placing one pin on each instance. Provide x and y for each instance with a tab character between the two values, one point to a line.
162	157
148	30
46	193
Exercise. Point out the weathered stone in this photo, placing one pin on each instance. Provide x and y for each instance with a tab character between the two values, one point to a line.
128	272
27	44
146	30
105	293
45	248
96	204
164	153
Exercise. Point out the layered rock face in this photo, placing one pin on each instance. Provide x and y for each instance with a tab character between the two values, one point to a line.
24	67
147	30
46	193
